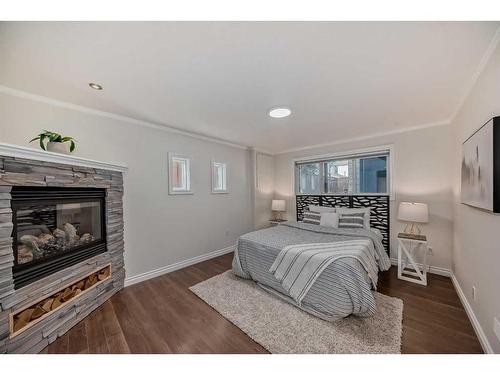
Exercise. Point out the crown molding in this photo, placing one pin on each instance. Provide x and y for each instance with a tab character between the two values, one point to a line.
76	107
33	154
369	136
262	151
477	73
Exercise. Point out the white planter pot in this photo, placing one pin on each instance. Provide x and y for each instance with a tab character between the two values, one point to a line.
58	147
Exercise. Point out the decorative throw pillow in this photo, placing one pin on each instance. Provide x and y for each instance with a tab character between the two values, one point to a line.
354	217
329	219
311	217
352	220
321	209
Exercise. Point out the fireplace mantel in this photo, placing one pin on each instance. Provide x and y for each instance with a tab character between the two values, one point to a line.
16	151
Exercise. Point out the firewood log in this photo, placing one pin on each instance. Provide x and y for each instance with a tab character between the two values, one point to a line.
22	319
47	304
68	294
39	311
57	302
91	280
79	285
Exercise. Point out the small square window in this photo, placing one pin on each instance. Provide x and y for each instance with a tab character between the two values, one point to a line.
179	181
219	177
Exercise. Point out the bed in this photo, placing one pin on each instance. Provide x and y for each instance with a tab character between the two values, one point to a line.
345	286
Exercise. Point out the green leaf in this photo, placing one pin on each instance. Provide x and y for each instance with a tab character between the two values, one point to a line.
42	137
72	146
34	139
66	139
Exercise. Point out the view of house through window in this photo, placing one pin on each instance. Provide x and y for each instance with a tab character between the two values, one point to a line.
310	180
180	178
219	177
357	175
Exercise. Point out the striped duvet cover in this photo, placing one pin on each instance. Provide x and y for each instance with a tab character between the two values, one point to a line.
343	288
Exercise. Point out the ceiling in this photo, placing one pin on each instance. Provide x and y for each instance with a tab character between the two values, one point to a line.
341	79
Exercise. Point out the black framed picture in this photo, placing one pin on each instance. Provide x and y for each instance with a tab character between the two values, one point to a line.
481	167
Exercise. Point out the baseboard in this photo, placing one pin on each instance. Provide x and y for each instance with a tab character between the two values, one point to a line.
432	269
472	317
176	266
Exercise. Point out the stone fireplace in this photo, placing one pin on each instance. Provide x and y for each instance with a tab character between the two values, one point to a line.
61	243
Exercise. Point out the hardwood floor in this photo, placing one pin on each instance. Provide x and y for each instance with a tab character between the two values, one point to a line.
162	316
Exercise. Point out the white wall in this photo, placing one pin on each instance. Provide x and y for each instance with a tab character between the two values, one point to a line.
421	174
264	189
476	245
159	229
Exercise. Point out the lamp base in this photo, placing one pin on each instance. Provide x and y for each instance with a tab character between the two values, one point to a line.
413	230
277	215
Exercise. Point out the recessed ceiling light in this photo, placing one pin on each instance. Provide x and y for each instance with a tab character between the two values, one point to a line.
280	112
95	86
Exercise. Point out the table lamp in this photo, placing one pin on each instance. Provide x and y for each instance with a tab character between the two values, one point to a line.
413	213
278	205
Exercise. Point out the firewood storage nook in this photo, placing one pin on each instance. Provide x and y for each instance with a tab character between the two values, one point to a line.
25	318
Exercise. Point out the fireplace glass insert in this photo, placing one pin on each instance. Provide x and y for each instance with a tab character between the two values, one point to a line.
55	228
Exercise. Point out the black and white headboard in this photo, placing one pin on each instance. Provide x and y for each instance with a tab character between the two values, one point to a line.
379	209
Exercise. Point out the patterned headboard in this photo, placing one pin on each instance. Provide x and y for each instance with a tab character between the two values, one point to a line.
379	209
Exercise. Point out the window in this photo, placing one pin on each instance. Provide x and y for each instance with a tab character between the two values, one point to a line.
309	178
219	177
359	174
179	174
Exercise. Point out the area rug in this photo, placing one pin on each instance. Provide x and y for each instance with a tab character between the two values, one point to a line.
282	328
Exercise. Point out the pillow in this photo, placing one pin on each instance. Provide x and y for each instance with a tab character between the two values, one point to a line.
321	209
354	217
352	221
311	217
329	219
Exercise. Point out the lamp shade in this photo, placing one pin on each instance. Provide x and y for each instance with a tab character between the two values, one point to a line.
278	205
414	212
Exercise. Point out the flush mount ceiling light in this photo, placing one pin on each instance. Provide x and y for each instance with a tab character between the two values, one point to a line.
95	86
280	112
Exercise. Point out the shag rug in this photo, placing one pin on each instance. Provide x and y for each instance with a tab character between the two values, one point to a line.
283	328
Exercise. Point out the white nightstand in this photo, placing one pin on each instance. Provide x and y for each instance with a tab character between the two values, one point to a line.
408	247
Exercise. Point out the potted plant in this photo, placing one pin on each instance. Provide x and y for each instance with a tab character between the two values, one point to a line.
55	142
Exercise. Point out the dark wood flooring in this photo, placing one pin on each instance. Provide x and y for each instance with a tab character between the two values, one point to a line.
162	316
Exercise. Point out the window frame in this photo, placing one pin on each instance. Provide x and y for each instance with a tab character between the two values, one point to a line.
350	154
189	187
213	171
